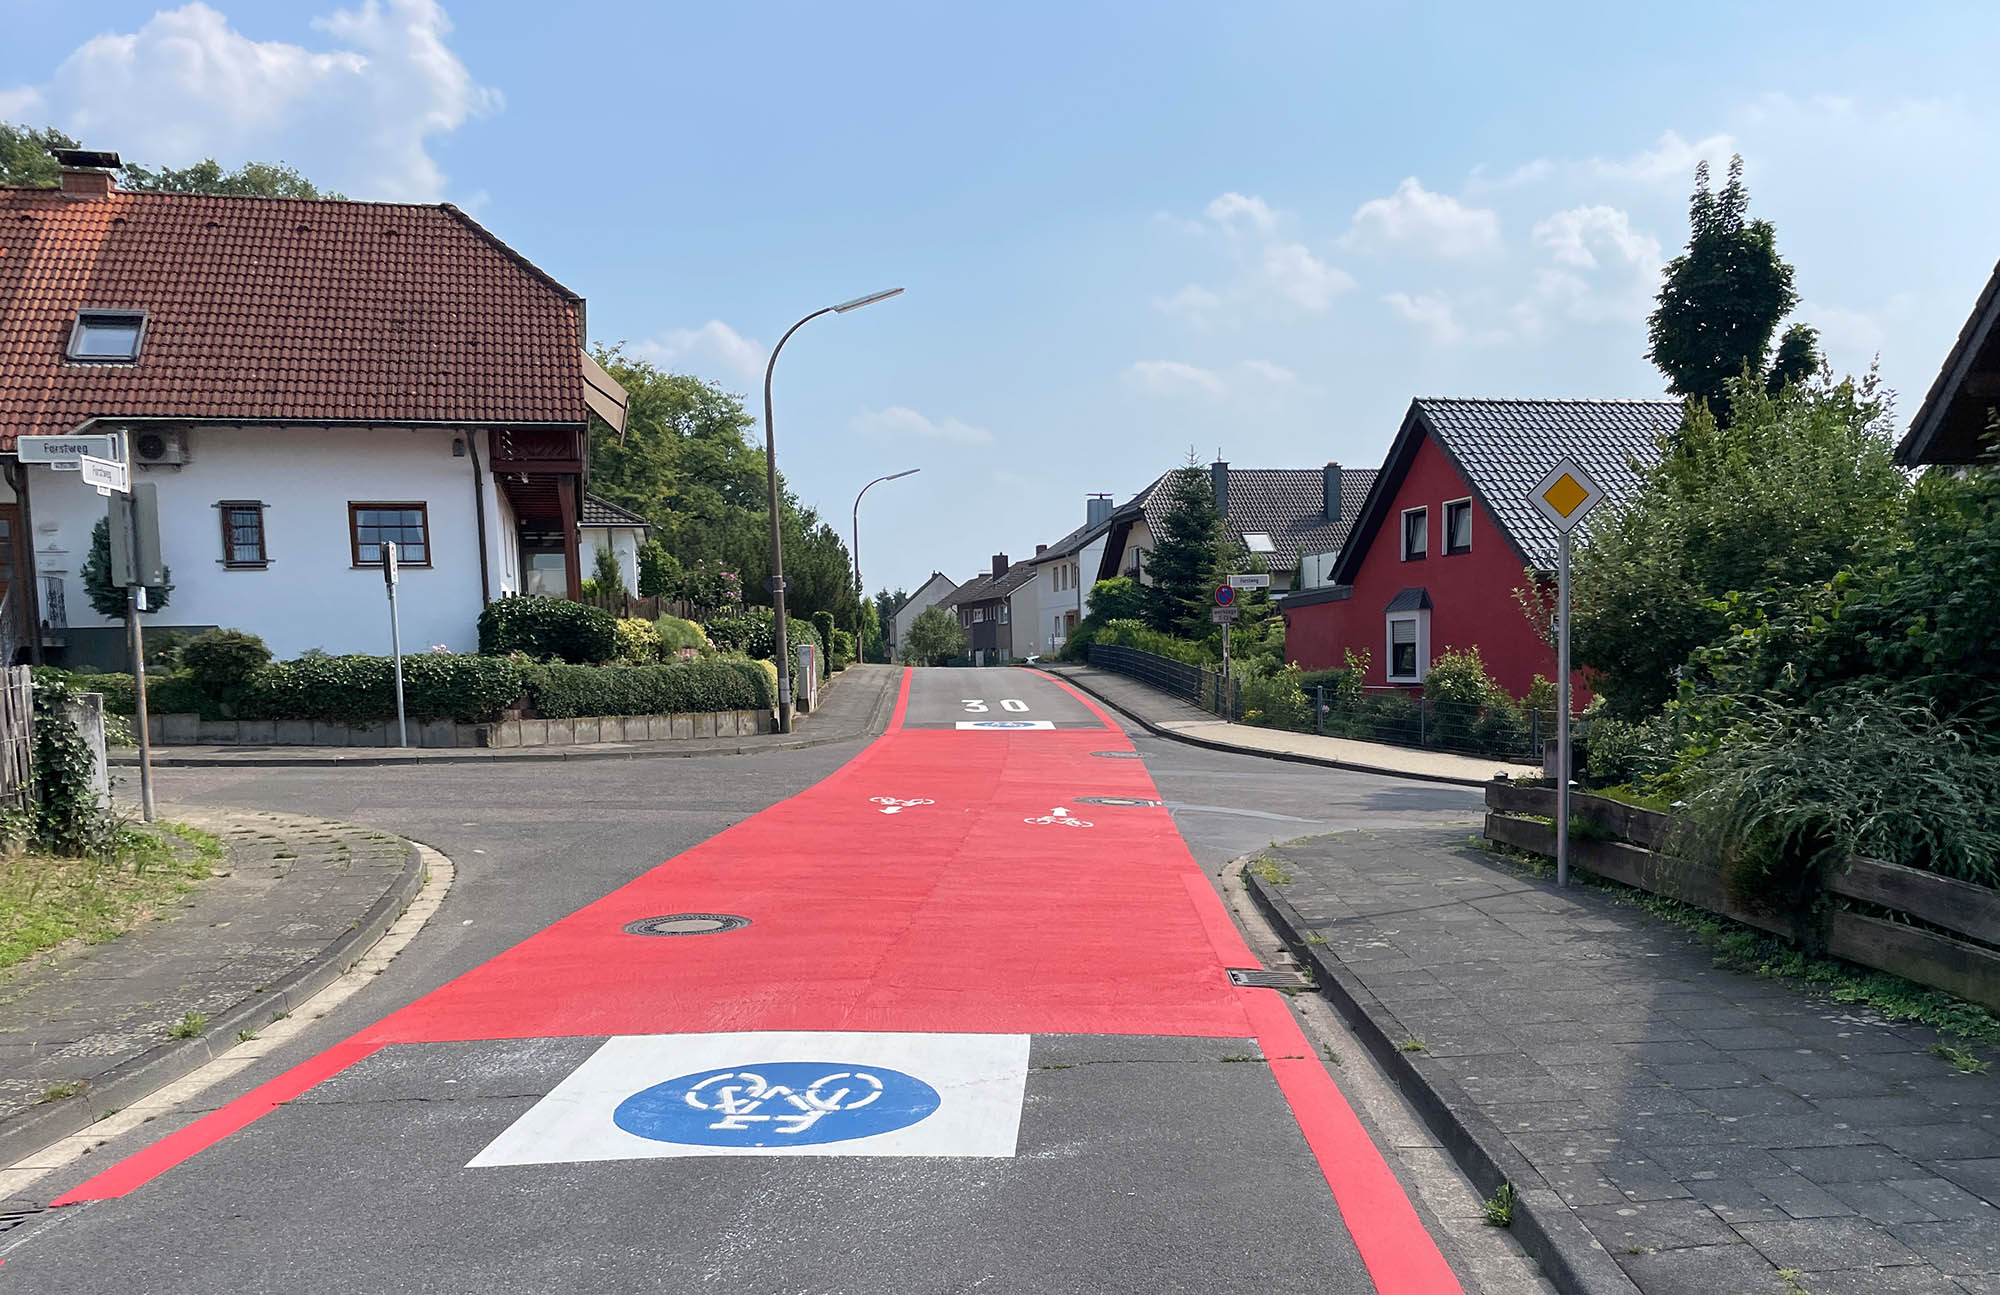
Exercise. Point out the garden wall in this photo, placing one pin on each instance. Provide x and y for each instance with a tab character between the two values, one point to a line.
193	730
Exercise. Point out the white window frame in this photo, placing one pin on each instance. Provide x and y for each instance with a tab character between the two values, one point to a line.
978	615
1422	620
1005	617
1403	533
1444	530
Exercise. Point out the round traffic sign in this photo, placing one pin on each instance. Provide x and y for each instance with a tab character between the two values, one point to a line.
1225	596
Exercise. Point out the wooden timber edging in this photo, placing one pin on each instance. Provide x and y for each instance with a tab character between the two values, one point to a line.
1969	967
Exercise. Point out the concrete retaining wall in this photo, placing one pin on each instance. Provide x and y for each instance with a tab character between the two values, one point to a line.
192	730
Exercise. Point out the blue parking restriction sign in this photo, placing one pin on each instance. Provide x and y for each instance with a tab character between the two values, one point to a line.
1225	596
777	1104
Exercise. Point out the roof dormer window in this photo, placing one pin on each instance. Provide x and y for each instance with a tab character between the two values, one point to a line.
1258	542
107	336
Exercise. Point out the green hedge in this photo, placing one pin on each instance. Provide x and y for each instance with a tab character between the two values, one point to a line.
567	691
362	689
546	628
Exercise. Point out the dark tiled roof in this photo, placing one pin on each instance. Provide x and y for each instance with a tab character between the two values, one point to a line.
1505	447
1073	542
1950	428
271	308
985	588
602	512
1414	599
1287	504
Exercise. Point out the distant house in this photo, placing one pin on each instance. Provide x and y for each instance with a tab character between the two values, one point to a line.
304	382
1446	535
1058	595
928	594
985	608
1954	423
603	525
1294	520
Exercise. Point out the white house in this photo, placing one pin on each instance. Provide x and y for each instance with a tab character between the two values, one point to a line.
1047	610
606	525
303	382
929	594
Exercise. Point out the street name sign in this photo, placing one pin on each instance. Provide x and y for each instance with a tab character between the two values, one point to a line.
106	474
1567	495
65	453
1252	580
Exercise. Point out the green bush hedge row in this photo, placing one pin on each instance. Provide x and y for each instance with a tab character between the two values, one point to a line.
567	691
548	627
360	689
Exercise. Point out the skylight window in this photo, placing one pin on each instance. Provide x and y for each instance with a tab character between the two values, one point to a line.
1258	542
107	336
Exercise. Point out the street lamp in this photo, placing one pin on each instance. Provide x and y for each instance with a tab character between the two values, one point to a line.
782	647
861	590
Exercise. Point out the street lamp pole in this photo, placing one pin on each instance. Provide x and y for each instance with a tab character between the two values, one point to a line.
780	643
861	590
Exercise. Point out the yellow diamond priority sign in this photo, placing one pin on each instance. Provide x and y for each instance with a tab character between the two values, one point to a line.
1566	495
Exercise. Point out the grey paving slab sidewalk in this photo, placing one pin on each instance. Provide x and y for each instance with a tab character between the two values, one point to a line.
1171	717
1717	1132
855	703
288	889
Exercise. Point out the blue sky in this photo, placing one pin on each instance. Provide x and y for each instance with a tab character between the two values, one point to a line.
1125	229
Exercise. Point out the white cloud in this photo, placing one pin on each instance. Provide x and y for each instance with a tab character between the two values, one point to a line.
715	347
21	104
1432	314
1227	208
1194	303
1672	159
898	422
1275	374
187	85
1434	223
1296	276
1173	378
1608	271
1575	237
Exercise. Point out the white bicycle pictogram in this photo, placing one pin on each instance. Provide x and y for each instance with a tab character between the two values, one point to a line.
895	805
742	1095
1058	815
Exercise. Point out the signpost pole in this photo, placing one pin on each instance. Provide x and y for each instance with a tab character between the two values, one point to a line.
1562	715
395	641
135	638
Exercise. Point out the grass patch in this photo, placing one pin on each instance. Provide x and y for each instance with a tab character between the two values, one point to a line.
1414	1045
1271	872
1963	1060
1499	1207
246	1036
189	1026
61	1092
1626	794
45	901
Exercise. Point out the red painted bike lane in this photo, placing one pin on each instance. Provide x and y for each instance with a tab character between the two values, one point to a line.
943	881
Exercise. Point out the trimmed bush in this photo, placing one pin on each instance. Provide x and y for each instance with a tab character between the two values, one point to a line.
174	693
686	687
548	628
823	626
1137	634
362	689
841	655
677	635
638	642
222	662
752	633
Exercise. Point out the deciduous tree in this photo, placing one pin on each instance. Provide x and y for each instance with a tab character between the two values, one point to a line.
935	635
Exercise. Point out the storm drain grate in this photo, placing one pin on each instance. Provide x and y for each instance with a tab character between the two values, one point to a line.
1258	978
1133	802
1116	755
686	924
15	1218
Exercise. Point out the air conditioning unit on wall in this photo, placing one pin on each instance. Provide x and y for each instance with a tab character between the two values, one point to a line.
152	448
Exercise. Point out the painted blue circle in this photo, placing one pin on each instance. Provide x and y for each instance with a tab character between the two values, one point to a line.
777	1104
1224	596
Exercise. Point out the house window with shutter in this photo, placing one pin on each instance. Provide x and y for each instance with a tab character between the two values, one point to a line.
243	535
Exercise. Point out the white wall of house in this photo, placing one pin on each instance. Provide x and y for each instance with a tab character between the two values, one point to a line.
623	540
1138	542
311	595
1061	587
934	590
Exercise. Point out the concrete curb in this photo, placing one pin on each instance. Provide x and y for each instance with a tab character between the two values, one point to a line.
1291	756
139	1077
1547	1228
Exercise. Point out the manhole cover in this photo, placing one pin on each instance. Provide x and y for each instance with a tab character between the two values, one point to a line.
1258	978
687	924
1116	755
1132	802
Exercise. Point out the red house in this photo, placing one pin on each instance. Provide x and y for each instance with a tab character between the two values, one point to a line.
1447	534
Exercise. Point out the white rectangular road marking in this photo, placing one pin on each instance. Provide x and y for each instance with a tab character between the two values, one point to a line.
977	1080
1007	723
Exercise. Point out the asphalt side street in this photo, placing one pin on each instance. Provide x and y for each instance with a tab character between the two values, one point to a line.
1161	1141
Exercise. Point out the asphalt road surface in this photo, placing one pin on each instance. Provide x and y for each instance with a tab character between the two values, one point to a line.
946	1011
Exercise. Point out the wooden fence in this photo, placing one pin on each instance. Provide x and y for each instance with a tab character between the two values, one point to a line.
1652	853
17	736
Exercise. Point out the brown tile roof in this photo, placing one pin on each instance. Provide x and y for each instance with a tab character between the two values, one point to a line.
270	308
602	512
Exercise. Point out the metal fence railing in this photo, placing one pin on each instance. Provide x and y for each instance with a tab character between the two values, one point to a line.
1195	684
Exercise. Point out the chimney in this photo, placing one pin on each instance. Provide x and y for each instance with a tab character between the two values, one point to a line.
1095	509
1041	549
1218	471
1330	482
86	173
999	565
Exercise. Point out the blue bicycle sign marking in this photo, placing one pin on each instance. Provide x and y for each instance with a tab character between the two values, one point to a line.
777	1104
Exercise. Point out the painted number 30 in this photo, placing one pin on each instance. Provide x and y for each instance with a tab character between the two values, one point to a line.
978	707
